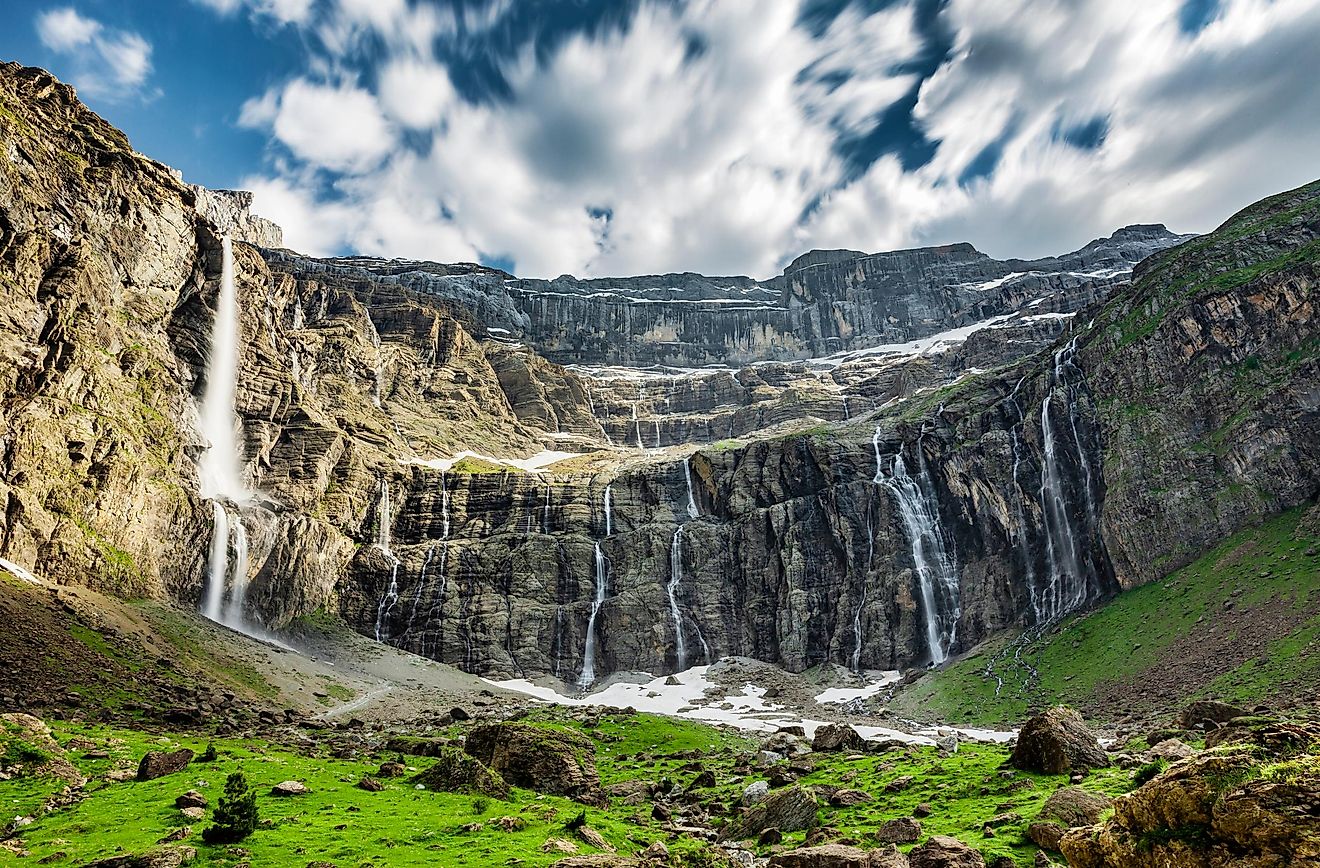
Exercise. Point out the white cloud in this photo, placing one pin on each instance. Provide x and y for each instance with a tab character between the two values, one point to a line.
337	127
283	11
103	61
708	159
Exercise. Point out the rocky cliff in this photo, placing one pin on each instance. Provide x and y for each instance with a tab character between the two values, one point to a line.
994	443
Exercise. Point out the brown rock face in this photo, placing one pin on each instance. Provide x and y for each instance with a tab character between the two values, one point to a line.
1074	806
1056	742
834	856
903	830
942	851
789	810
1211	712
544	760
158	764
1248	806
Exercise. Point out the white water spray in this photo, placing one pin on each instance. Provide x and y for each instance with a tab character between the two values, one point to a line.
589	652
676	576
937	572
693	510
384	519
220	469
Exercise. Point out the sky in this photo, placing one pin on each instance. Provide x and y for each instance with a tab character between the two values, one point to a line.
616	137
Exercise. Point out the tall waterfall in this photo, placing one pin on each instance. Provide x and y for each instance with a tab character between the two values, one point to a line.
384	520
588	675
1071	574
220	469
676	576
936	569
693	510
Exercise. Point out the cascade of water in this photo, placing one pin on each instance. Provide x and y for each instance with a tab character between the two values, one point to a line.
220	469
936	570
1067	588
391	596
657	432
676	576
693	510
637	426
589	652
1019	504
545	511
609	509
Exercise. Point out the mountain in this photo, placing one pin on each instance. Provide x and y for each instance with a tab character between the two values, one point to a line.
990	445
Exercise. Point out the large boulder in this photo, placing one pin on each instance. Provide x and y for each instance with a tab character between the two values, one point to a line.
1208	713
161	857
1056	742
788	810
837	736
1216	809
158	764
545	760
901	830
1066	808
942	851
457	772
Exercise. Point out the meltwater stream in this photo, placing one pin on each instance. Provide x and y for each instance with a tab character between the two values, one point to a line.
588	676
220	469
932	559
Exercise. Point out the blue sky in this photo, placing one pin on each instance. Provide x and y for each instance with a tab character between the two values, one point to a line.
723	136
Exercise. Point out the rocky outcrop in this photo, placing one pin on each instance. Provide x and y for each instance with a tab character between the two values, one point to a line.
231	212
1234	806
790	809
545	760
158	764
456	772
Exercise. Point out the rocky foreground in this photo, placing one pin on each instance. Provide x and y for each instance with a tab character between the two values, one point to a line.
1219	786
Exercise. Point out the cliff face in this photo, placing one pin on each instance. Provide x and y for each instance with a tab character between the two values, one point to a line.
885	507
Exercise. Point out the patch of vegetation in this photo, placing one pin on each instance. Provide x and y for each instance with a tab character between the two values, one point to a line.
477	466
1149	772
1132	635
235	816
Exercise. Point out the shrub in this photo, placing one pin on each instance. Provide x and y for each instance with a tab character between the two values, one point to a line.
480	805
1148	771
208	756
235	816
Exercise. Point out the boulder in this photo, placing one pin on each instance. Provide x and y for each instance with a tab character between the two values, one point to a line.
191	799
836	737
1057	742
1208	713
903	830
370	784
1170	749
942	851
755	792
1074	806
849	798
158	764
1046	834
286	789
598	860
456	772
788	810
545	760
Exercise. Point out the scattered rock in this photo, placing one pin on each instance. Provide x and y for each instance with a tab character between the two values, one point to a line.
1208	713
393	769
158	764
1171	749
193	813
656	852
191	799
849	798
947	744
922	810
754	793
179	834
559	845
162	857
898	784
1057	742
289	788
370	784
823	856
1046	834
770	837
593	838
942	851
903	830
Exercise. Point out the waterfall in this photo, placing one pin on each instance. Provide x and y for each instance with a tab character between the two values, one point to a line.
676	576
545	512
1068	587
937	572
1023	543
589	651
391	595
220	469
637	426
693	511
609	508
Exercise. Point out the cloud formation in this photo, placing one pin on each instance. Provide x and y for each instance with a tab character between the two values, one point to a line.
720	135
106	62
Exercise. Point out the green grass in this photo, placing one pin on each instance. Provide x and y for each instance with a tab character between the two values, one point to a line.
402	826
1132	635
478	466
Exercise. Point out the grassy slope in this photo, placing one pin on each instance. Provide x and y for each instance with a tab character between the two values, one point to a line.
1144	643
402	826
